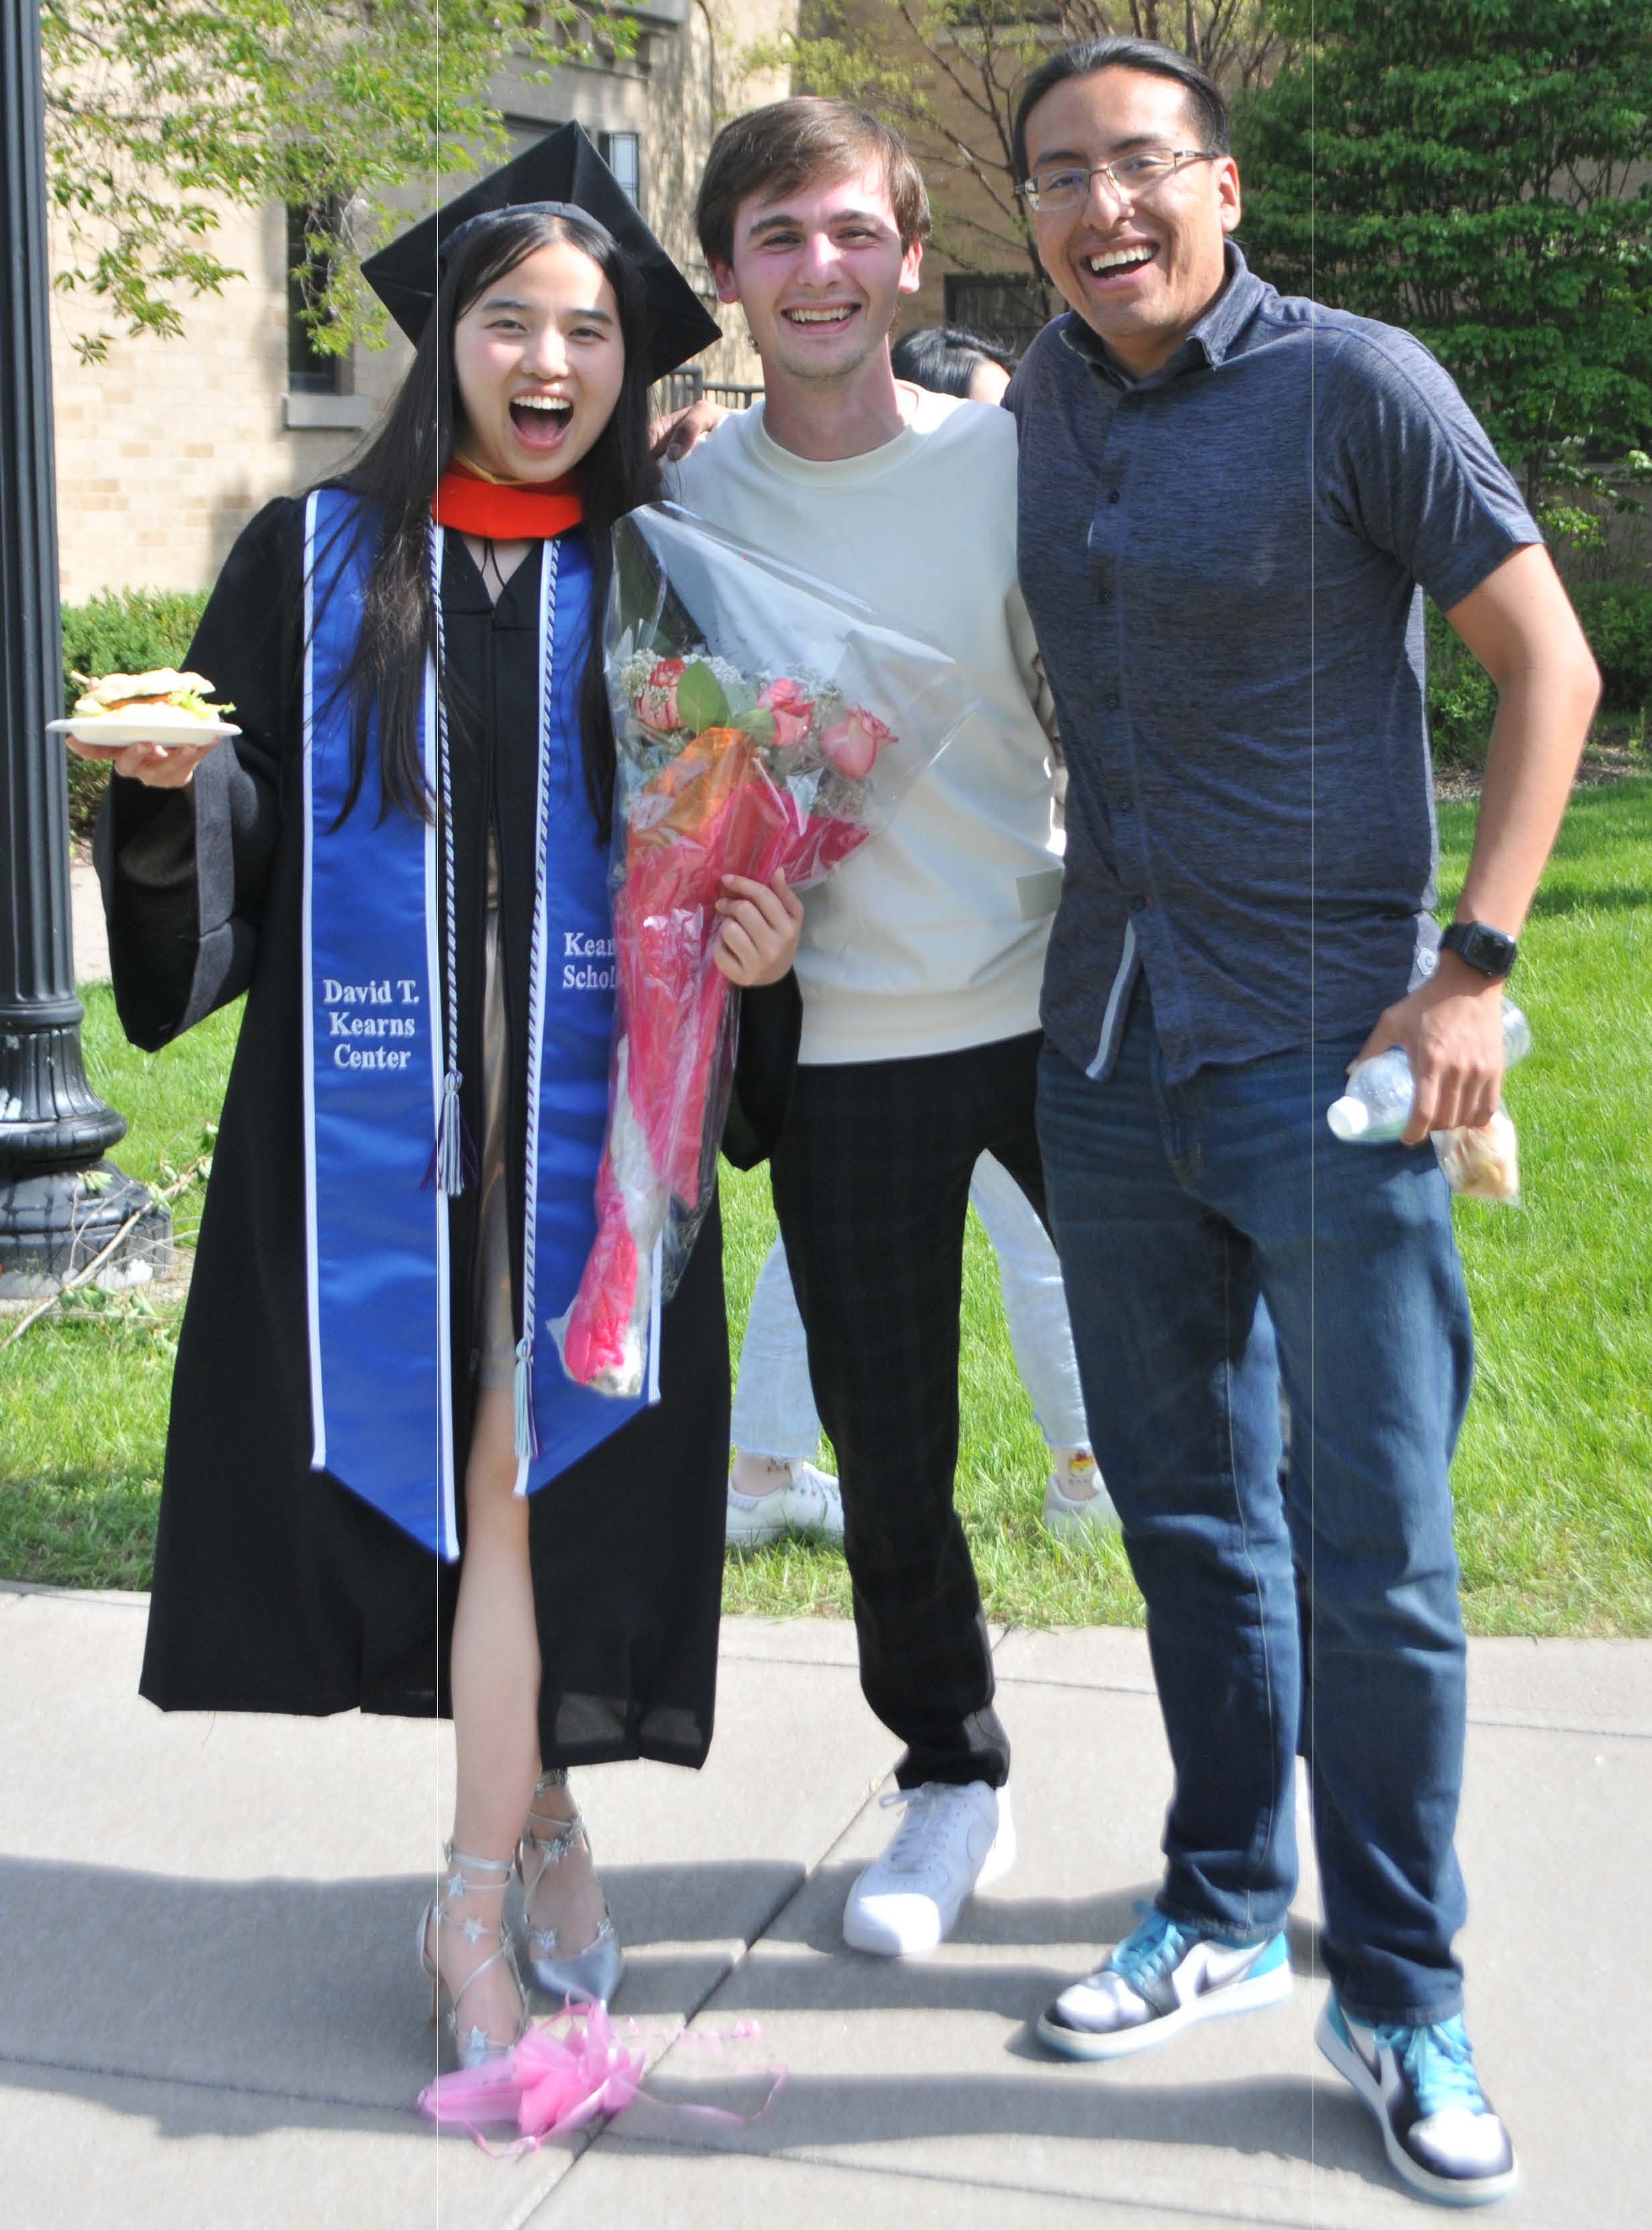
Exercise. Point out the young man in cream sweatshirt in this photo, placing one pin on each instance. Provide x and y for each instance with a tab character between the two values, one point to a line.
921	959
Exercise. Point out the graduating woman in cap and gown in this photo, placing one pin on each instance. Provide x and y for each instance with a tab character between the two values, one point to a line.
381	1490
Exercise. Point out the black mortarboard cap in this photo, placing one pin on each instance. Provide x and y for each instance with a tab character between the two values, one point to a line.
563	166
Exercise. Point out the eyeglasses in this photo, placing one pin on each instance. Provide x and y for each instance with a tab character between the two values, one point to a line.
1131	178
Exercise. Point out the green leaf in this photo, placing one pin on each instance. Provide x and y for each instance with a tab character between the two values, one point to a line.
758	723
700	699
160	117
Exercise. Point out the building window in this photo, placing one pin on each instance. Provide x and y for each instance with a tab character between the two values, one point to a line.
310	370
622	152
1000	307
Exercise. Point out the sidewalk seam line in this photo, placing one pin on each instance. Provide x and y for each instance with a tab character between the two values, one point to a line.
202	2082
694	2012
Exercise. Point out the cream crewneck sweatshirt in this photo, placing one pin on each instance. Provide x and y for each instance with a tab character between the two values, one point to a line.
932	938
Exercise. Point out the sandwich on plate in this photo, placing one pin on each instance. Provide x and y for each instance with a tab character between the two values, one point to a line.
160	701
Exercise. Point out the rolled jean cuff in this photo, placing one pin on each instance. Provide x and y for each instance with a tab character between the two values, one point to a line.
1234	1939
1369	2016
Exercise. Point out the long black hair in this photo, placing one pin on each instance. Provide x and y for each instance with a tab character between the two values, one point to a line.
397	476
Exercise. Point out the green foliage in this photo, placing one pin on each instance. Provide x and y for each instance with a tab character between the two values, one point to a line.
157	113
125	632
947	74
1616	617
1466	169
1462	697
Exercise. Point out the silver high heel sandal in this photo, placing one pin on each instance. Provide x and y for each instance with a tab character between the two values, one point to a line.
595	1972
464	1874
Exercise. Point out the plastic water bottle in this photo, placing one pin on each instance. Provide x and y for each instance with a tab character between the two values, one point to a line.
1377	1106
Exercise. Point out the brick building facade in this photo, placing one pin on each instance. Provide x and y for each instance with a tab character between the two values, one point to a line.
166	448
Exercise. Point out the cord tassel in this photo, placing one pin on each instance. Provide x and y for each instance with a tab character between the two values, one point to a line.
527	1437
452	1158
450	1140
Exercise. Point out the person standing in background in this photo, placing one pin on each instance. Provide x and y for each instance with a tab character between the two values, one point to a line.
774	1485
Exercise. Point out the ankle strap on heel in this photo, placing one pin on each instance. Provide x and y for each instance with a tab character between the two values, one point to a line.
462	1868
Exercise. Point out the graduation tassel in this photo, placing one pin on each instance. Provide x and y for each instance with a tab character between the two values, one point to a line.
527	1437
454	1157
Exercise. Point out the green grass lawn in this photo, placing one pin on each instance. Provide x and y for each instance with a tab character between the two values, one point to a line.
1554	1474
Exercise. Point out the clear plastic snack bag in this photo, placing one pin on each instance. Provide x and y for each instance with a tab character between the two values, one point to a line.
1484	1162
762	721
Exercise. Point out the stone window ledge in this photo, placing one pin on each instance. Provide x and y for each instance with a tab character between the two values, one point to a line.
325	414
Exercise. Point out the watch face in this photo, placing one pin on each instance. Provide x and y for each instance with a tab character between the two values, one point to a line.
1487	950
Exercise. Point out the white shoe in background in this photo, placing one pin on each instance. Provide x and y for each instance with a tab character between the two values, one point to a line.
805	1502
1074	1501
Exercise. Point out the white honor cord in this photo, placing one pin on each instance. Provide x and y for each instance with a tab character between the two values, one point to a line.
527	1437
450	1159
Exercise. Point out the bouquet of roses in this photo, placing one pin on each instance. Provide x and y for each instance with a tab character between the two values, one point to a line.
763	722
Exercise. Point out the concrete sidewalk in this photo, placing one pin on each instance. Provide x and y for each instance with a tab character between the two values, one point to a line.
211	2013
86	917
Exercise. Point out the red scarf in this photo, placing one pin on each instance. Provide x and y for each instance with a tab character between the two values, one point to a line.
506	511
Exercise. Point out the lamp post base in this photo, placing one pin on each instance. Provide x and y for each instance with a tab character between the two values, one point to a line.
51	1226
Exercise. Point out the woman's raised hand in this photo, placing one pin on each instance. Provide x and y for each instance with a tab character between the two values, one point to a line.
157	765
760	923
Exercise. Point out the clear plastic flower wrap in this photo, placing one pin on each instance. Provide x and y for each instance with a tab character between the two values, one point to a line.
763	722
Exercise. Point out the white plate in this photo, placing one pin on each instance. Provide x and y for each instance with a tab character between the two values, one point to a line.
111	735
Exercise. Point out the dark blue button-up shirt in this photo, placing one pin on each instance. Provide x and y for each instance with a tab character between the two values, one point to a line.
1224	565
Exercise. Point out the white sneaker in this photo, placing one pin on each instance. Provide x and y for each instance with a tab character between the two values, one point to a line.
955	1838
809	1502
1073	1515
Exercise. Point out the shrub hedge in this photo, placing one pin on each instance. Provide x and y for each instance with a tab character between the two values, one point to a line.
1616	617
120	631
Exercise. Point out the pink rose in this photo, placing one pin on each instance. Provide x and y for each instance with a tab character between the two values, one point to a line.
793	712
854	742
657	698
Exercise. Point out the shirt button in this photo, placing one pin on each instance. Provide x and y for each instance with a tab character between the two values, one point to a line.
1112	495
1138	905
1122	805
1111	701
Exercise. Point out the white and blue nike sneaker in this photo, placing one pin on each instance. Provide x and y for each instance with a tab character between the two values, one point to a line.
1437	2126
1166	1975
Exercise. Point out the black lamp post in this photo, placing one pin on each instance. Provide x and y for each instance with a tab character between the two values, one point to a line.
54	1128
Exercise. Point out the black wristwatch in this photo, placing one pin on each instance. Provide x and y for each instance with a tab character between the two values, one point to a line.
1482	947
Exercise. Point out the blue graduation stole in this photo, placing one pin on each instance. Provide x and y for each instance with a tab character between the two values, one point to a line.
380	1099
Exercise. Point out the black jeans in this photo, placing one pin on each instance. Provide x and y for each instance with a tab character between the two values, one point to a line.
871	1186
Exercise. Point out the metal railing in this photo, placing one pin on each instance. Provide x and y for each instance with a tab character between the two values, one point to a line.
679	389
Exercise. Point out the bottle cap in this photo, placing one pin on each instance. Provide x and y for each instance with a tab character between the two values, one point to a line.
1349	1119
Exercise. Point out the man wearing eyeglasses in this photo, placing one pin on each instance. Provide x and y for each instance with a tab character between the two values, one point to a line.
1231	504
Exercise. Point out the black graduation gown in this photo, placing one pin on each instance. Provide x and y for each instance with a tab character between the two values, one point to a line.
276	1588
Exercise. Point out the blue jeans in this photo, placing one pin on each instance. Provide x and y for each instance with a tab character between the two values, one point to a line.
1215	1238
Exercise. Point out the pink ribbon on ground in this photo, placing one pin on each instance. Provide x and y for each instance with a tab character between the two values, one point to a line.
561	2074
